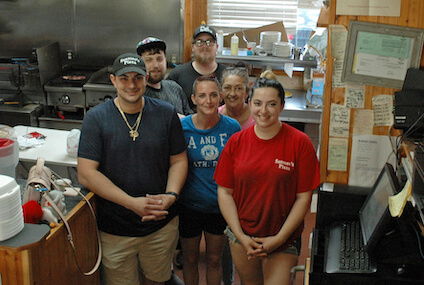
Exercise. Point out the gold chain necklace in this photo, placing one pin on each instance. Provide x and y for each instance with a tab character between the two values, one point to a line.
134	129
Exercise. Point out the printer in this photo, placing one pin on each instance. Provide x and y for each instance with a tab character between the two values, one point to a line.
409	104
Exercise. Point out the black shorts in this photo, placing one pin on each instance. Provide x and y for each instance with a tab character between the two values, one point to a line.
193	223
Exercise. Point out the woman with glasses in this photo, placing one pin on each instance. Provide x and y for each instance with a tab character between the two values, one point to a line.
235	87
265	178
206	134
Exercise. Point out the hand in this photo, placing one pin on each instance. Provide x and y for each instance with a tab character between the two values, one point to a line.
253	249
269	244
167	200
149	209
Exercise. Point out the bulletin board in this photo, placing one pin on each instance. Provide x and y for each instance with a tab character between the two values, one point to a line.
356	109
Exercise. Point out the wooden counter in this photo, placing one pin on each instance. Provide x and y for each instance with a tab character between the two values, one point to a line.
50	260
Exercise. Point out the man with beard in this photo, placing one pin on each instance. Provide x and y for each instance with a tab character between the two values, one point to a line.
153	52
204	63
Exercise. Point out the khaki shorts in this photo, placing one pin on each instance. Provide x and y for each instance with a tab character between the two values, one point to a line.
291	249
124	258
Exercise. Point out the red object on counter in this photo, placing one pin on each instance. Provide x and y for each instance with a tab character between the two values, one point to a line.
36	135
32	212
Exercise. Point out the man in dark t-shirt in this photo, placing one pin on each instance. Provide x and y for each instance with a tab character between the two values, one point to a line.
153	52
204	63
132	156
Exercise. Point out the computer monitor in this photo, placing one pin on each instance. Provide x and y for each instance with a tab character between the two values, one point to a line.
374	215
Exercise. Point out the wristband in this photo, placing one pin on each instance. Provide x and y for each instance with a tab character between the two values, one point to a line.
173	194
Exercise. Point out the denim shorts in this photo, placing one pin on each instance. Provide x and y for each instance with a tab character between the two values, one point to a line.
293	248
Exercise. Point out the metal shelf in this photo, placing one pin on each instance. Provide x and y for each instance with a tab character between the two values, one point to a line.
265	61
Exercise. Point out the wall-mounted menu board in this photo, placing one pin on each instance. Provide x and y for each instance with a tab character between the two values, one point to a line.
378	54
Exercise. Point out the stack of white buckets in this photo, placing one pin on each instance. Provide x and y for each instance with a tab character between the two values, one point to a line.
11	216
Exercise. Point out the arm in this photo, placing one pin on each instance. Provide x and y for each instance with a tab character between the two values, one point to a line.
93	179
177	175
229	211
294	219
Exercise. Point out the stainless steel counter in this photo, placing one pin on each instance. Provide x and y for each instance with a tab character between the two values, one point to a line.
295	109
15	115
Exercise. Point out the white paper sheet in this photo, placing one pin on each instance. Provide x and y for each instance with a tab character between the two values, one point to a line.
382	106
368	156
354	96
363	122
368	7
338	47
339	121
380	66
288	69
337	154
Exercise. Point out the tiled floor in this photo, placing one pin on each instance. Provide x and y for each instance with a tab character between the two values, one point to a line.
309	224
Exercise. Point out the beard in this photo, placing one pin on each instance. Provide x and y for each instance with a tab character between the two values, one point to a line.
203	59
153	79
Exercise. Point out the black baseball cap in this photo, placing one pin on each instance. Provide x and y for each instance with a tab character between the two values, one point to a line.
128	62
204	29
150	43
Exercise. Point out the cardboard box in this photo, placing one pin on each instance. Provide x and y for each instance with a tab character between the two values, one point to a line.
253	35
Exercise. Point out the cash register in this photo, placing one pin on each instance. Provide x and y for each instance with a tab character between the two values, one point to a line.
394	245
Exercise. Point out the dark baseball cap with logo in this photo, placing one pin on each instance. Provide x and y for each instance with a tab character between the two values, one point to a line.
128	62
150	43
204	29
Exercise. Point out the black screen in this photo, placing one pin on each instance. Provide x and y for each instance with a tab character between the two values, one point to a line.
374	214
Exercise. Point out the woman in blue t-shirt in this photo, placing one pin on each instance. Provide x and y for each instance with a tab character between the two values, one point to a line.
206	133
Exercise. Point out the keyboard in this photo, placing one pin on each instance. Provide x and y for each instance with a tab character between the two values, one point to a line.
346	252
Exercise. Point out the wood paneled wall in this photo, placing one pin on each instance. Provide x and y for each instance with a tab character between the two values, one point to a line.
195	11
412	12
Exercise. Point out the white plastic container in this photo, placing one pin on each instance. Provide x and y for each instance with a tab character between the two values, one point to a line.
268	38
282	49
220	41
9	156
234	45
11	215
72	142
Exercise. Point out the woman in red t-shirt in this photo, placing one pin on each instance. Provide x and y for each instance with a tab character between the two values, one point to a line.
265	178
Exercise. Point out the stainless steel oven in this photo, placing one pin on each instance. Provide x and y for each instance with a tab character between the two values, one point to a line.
71	95
98	88
65	99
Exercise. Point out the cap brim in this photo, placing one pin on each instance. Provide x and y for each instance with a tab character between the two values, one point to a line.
204	32
151	45
130	69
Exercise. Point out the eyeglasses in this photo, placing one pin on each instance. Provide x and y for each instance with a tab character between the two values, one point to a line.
200	43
